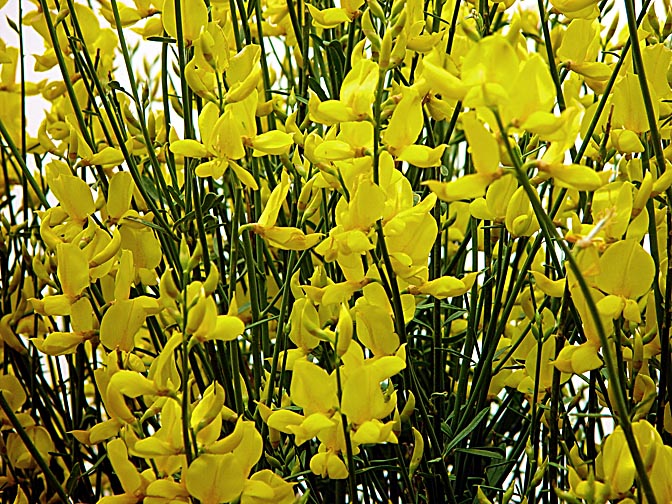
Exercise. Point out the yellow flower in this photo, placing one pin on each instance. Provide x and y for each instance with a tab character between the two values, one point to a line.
194	15
224	138
288	238
485	155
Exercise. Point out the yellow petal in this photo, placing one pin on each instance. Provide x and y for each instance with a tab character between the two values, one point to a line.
269	488
189	148
121	323
619	468
520	218
626	270
628	102
132	383
290	238
328	18
108	157
577	8
492	59
626	141
244	176
120	194
58	343
275	201
447	286
194	18
128	475
359	87
611	306
466	187
104	430
13	391
73	269
553	288
406	121
442	82
312	388
213	479
273	142
228	328
282	419
334	150
575	176
328	465
482	145
74	195
422	156
418	451
214	168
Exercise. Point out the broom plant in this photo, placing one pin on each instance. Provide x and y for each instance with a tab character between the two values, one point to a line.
369	251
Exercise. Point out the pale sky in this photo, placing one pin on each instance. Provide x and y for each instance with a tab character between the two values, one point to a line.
34	45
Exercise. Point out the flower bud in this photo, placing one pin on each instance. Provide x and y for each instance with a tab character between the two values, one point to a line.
370	31
208	408
196	315
212	280
539	474
167	286
386	50
376	9
418	451
344	330
409	408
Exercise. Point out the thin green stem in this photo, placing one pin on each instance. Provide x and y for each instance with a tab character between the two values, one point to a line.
644	85
24	168
551	236
30	446
254	303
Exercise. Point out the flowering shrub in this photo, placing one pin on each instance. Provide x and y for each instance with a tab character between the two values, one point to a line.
375	251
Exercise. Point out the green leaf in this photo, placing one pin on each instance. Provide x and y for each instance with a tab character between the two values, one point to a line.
481	452
165	40
466	431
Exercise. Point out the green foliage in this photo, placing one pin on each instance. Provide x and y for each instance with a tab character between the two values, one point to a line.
360	252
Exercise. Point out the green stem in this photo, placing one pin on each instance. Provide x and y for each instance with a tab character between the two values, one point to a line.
551	235
352	481
254	304
156	166
49	475
644	85
551	55
606	94
377	126
24	168
280	340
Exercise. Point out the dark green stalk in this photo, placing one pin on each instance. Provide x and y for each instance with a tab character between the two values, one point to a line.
550	234
254	304
470	341
606	94
554	437
377	126
18	428
198	210
186	403
352	481
24	168
134	90
550	54
644	85
67	80
280	339
186	104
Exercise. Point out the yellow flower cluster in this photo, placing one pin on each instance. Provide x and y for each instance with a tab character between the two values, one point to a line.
240	270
